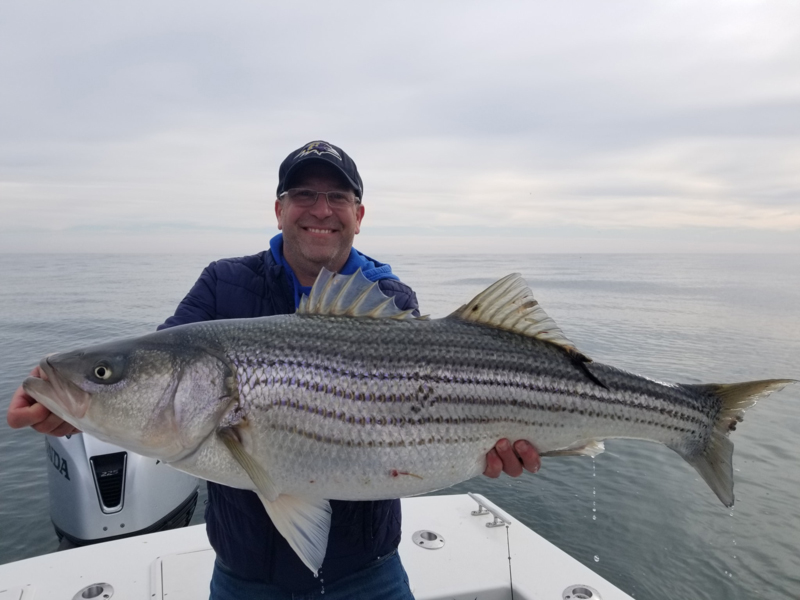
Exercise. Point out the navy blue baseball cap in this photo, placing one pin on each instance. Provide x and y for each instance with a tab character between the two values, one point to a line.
320	151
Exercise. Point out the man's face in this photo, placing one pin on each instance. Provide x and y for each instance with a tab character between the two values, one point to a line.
319	236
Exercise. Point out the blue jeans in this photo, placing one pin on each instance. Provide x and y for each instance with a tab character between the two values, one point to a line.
383	579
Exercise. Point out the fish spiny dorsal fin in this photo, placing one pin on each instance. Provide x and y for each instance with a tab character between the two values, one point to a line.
309	304
349	296
509	304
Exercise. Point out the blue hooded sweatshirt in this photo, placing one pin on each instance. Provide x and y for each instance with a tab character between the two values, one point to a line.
370	268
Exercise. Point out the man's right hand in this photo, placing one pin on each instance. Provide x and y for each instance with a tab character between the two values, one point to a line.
24	411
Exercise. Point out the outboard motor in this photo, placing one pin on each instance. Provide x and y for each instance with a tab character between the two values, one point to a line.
99	491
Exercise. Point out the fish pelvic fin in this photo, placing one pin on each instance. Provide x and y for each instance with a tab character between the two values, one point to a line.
715	463
304	523
509	304
353	295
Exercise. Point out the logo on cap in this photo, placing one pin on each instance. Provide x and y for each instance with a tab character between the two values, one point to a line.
318	148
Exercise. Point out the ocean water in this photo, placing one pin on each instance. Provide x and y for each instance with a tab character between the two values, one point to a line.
637	514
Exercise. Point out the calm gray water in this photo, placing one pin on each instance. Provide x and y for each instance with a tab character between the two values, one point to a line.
637	514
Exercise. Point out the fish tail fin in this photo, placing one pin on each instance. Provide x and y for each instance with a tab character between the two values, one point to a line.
715	463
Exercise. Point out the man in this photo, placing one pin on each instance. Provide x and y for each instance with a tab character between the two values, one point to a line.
319	212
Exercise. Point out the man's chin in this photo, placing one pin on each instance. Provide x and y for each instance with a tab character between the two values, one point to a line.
330	251
333	259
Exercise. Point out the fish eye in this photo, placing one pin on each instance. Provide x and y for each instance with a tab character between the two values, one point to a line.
102	371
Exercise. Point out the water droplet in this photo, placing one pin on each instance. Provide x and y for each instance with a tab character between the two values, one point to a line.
596	558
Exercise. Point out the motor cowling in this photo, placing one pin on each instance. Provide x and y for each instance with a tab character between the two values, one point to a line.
99	491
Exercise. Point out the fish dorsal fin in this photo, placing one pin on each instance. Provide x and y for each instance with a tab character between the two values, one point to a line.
509	304
349	296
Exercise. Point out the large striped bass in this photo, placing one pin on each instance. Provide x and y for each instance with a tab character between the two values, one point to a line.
352	399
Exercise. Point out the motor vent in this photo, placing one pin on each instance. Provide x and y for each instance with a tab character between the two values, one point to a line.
109	478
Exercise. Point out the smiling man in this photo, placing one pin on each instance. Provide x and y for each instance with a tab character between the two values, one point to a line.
319	212
318	234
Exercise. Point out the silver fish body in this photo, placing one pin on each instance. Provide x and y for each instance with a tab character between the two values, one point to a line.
351	399
369	409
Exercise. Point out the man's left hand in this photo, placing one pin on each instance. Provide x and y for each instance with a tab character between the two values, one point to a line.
505	458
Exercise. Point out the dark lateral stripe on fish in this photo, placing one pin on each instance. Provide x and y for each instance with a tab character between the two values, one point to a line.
327	439
319	410
383	420
357	396
623	382
369	421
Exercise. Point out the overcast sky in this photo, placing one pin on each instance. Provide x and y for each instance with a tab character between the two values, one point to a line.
505	126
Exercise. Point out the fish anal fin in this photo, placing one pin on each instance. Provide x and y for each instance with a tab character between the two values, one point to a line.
592	448
254	470
304	523
509	304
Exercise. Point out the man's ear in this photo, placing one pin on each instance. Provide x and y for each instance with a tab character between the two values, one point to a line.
279	213
359	216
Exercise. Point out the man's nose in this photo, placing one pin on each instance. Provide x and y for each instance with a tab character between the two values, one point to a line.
321	207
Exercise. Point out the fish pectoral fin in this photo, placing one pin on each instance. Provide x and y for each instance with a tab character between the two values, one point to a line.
592	449
255	471
304	523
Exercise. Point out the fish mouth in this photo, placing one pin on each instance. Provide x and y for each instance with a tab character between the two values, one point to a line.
57	393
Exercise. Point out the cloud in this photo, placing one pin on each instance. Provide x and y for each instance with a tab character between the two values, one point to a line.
574	116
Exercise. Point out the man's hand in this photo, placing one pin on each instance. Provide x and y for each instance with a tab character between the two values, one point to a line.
511	460
24	411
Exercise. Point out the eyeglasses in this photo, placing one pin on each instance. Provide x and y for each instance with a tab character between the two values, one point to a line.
306	198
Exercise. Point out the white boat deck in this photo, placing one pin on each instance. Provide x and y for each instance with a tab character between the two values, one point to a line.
176	565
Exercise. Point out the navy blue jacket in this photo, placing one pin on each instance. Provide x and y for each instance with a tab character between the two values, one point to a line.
239	529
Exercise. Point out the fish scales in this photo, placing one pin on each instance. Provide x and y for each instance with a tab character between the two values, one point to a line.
351	399
419	393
